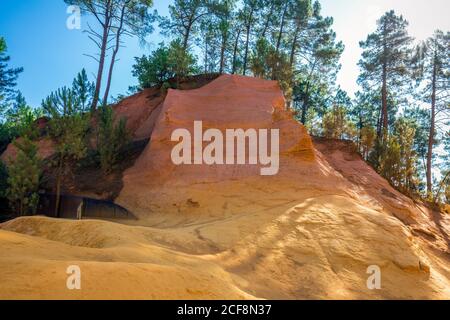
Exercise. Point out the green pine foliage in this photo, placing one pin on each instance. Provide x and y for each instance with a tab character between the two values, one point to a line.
154	69
112	138
385	64
83	89
395	158
163	64
24	174
68	128
8	76
3	180
336	123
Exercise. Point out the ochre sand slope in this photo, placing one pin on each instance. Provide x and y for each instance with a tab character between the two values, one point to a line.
309	232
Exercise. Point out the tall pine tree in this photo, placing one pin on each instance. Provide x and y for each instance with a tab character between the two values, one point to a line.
433	71
8	76
385	61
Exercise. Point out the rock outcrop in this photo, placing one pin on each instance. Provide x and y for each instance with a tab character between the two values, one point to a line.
141	111
230	102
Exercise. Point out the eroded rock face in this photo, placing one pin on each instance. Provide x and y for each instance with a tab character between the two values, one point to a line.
229	102
45	147
141	111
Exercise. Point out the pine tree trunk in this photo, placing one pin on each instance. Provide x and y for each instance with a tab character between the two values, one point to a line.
22	201
305	105
432	132
58	187
236	44
247	41
222	54
113	58
110	73
280	36
360	126
294	46
206	56
280	33
187	35
101	63
384	107
269	16
304	110
384	123
246	50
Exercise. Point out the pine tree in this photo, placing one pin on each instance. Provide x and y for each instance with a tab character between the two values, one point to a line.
83	89
184	21
336	123
367	137
209	44
19	120
182	63
287	7
237	31
405	132
24	174
103	13
248	15
68	129
3	180
115	19
154	69
395	159
260	58
215	35
267	63
420	119
317	63
8	77
446	167
432	68
224	13
364	115
443	190
163	64
112	138
303	11
385	60
130	18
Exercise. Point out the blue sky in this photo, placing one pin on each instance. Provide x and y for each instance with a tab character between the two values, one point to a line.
51	54
39	41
